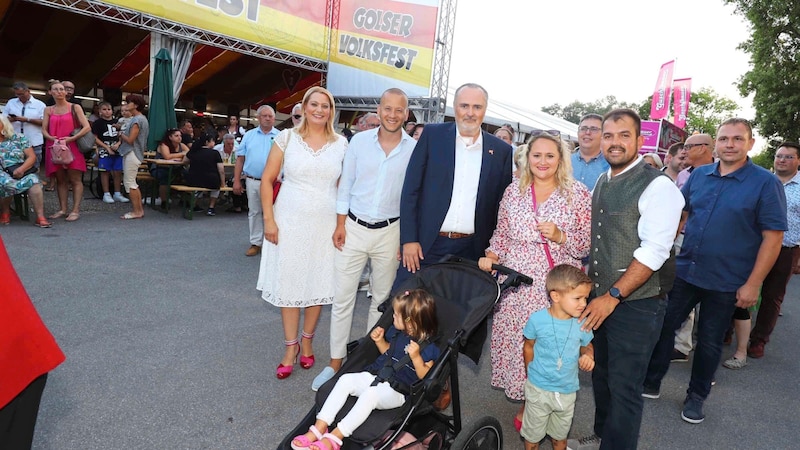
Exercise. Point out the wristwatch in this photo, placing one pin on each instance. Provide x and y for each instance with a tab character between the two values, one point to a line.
614	292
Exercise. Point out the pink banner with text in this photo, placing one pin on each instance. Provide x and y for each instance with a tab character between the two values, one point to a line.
682	92
659	109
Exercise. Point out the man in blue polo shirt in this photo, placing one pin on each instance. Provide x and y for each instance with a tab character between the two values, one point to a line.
735	216
588	162
251	157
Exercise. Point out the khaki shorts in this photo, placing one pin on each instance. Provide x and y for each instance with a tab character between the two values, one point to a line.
130	166
546	413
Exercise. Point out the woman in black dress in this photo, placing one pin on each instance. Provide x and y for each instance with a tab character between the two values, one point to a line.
205	169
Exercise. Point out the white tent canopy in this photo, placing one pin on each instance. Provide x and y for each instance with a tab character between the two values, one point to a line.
524	120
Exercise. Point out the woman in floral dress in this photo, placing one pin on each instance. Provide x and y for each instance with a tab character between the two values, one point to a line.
17	174
531	237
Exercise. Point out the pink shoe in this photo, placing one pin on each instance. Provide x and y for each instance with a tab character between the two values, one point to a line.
307	362
302	442
283	372
328	442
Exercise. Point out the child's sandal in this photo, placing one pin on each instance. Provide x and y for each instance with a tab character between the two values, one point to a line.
334	443
303	443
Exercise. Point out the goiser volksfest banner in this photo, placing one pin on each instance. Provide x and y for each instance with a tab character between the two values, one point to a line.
378	43
293	26
382	44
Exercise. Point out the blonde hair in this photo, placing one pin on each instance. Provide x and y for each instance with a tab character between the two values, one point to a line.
8	129
656	160
302	129
563	171
418	311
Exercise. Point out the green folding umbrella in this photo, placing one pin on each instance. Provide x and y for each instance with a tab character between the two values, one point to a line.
162	102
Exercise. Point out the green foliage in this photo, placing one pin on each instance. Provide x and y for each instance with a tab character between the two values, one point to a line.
774	77
765	158
707	109
575	110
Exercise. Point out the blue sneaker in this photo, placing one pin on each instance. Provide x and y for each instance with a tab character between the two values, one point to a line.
693	409
326	374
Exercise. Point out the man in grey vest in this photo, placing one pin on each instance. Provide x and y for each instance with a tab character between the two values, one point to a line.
635	214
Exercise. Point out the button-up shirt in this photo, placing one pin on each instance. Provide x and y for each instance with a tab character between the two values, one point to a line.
32	109
372	181
727	215
255	148
792	190
587	172
460	216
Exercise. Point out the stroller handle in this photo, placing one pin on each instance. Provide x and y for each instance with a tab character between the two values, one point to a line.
514	278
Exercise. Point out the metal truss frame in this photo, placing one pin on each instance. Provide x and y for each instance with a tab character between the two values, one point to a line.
137	19
441	61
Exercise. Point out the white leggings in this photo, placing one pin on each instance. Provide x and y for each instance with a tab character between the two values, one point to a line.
370	398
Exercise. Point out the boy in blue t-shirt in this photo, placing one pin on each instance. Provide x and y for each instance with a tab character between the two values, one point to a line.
554	337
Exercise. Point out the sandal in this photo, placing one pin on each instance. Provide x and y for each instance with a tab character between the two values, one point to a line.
302	442
283	372
41	222
57	215
333	443
72	217
307	362
129	216
5	218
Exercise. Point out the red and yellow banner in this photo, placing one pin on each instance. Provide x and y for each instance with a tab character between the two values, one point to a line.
381	44
288	25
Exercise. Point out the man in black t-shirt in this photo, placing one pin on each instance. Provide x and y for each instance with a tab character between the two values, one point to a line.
107	140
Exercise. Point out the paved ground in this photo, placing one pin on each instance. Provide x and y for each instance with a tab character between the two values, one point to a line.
169	346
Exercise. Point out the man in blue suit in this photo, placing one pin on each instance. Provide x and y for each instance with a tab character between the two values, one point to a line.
453	186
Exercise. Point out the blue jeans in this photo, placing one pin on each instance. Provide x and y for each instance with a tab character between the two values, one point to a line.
716	310
622	348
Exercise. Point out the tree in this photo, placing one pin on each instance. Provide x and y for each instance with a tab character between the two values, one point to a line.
774	77
707	110
575	110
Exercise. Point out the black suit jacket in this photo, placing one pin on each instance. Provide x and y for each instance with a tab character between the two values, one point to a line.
428	186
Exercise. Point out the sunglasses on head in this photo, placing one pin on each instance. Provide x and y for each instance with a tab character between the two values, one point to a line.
553	133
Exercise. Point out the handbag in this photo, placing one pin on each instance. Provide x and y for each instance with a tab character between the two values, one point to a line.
546	245
60	153
85	142
10	169
276	187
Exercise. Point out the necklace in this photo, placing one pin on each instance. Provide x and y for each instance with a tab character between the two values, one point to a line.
559	363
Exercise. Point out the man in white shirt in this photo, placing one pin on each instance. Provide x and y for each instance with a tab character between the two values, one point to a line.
26	113
368	228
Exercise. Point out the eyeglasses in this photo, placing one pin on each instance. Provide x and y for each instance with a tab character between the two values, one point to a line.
553	133
590	130
786	157
296	116
688	147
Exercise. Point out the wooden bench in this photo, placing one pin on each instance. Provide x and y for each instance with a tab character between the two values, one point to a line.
188	195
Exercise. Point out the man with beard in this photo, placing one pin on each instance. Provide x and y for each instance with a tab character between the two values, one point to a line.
588	162
635	215
675	161
453	186
368	210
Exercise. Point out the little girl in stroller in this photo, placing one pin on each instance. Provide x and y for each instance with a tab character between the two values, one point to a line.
405	357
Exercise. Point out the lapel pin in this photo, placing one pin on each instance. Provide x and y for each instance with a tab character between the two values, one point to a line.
491	151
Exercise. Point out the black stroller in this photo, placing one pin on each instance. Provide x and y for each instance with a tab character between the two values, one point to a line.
465	296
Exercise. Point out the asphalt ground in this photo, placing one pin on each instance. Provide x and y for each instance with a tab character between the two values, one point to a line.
169	346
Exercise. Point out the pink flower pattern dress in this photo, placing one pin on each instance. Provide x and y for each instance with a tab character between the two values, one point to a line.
519	246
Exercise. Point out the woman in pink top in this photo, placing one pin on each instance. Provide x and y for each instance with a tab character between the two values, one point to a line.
58	123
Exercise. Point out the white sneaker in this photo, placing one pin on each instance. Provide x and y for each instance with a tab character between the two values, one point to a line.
107	198
120	198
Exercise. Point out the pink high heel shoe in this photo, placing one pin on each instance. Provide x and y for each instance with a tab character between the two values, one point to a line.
307	362
282	371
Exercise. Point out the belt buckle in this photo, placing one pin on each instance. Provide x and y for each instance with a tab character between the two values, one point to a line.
449	235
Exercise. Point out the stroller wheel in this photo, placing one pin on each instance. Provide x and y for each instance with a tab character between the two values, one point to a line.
483	434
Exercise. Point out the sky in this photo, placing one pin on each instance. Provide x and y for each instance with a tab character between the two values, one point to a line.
536	53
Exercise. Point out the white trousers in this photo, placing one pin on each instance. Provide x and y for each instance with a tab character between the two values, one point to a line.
370	398
379	247
255	216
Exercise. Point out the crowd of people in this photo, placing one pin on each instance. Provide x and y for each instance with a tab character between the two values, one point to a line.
623	248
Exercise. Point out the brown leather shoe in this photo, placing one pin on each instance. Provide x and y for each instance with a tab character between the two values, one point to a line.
253	250
756	350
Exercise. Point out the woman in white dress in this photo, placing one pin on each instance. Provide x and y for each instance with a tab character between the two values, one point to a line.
297	260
